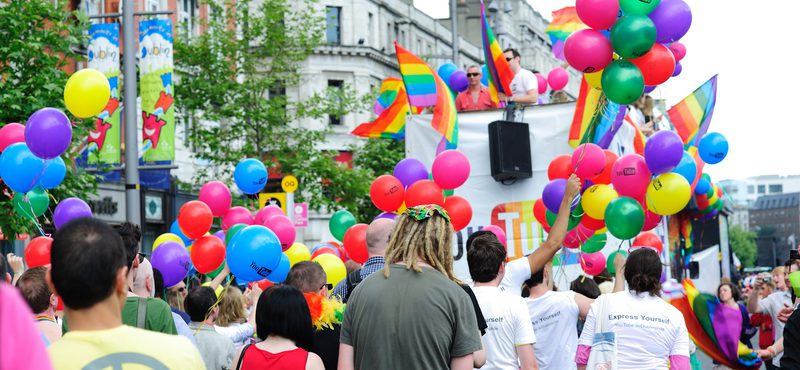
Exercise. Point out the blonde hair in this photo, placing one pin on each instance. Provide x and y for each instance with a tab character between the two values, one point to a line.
231	307
174	299
429	241
780	270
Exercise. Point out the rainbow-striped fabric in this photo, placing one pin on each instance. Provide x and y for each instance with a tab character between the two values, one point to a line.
565	22
392	108
692	116
500	73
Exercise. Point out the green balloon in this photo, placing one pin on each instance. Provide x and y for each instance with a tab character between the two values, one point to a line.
551	218
216	272
633	35
37	202
706	177
448	193
610	261
622	82
340	222
595	243
232	232
624	218
557	260
640	7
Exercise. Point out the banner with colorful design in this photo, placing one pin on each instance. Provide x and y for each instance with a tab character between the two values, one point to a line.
104	139
156	89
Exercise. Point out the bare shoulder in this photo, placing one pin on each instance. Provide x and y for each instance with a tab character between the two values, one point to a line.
314	362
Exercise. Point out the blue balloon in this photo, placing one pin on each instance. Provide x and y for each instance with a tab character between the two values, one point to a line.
687	167
175	229
20	168
485	75
54	172
713	148
279	274
254	253
250	175
446	70
702	186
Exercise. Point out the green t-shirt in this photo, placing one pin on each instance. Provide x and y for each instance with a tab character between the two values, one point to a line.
409	321
157	318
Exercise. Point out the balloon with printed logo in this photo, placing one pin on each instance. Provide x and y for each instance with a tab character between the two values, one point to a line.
297	252
588	50
409	171
281	271
557	78
648	240
460	211
236	215
37	253
48	133
208	253
630	175
167	237
633	35
595	243
610	261
173	261
284	228
20	168
217	196
668	194
450	169
387	193
195	219
333	266
622	82
598	14
10	134
713	148
624	218
596	199
605	176
355	243
54	172
593	263
687	167
657	65
560	167
424	192
70	209
340	222
672	19
250	175
86	93
588	160
254	253
31	204
498	232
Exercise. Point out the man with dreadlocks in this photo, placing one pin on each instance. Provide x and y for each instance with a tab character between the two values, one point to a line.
414	315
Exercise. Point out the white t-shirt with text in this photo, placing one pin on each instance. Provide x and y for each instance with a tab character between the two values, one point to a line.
523	82
509	326
517	271
555	318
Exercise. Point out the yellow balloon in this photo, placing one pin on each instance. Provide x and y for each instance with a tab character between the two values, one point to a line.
217	291
593	79
402	209
595	200
298	252
601	231
713	199
333	266
167	237
668	193
86	93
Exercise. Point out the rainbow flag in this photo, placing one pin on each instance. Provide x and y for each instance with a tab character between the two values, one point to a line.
425	88
590	102
565	22
392	107
692	116
500	73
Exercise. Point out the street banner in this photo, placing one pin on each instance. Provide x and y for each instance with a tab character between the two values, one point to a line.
156	89
104	139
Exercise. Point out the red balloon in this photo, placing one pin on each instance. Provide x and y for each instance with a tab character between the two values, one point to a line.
325	250
591	223
424	192
387	193
208	253
560	167
460	211
540	212
355	242
657	65
37	253
605	176
264	284
648	240
195	219
343	253
678	50
651	220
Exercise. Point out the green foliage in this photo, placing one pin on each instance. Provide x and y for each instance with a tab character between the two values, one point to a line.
743	244
37	41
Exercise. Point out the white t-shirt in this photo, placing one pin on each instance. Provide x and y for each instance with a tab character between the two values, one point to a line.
771	306
523	82
508	326
648	330
517	271
555	317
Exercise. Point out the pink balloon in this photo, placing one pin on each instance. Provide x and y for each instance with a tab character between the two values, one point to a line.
265	213
10	134
588	51
450	169
217	196
542	82
593	263
598	14
577	236
630	176
588	160
678	50
557	78
236	215
497	231
283	227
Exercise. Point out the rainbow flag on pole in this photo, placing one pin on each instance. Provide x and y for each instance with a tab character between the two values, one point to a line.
500	73
425	88
692	116
392	108
587	106
565	22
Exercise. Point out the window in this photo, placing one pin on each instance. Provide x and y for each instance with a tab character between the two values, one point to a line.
152	5
762	189
389	38
334	119
751	189
776	188
93	7
370	31
333	25
187	17
419	46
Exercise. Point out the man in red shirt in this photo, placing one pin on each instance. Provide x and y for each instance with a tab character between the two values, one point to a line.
476	97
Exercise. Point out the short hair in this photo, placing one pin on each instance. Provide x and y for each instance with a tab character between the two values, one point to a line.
199	303
513	52
33	286
307	276
131	235
471	238
475	66
536	278
780	270
85	258
736	293
643	271
603	277
283	311
586	286
158	284
231	307
3	267
485	258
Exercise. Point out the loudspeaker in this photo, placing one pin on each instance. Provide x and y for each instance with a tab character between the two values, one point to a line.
694	270
510	150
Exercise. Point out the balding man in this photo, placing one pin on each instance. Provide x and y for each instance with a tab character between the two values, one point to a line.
144	287
378	234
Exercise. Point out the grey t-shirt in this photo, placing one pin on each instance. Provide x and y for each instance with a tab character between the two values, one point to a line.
772	305
409	321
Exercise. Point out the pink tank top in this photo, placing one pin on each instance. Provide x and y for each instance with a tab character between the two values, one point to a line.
257	358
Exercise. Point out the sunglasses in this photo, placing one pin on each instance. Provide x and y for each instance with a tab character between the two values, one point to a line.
473	74
328	285
509	59
182	289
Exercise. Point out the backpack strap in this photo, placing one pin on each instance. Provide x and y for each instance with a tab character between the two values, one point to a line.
241	356
142	313
353	278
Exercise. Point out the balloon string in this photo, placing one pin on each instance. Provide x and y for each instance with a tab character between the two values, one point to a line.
32	215
44	168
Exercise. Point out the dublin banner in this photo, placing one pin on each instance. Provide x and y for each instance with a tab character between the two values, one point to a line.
156	89
104	139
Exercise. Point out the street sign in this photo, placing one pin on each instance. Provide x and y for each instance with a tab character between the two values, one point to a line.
276	199
301	214
289	184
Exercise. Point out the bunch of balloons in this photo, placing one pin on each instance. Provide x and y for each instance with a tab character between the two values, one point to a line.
625	50
709	199
456	79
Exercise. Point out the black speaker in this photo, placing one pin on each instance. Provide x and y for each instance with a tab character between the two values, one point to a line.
510	150
694	270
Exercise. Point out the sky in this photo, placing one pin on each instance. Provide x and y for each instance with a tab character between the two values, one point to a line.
750	46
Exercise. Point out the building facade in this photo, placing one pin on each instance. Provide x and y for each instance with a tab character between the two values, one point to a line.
776	221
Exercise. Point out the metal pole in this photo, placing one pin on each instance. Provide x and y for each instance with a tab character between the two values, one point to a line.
131	108
454	25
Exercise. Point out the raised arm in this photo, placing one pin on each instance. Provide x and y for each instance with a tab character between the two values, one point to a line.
544	254
619	275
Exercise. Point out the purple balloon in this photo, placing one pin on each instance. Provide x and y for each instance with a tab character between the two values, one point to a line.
48	133
663	152
220	234
459	81
70	209
553	194
678	69
672	19
409	171
649	89
663	276
386	215
172	260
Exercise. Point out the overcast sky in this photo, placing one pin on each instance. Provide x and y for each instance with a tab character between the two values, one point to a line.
748	44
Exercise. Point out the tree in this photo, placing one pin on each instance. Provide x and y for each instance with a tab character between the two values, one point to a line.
743	244
37	42
237	74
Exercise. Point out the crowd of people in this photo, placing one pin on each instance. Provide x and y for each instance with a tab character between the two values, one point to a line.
405	308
